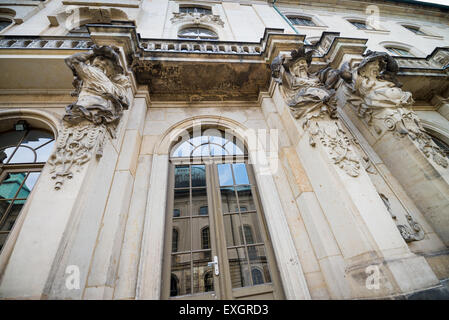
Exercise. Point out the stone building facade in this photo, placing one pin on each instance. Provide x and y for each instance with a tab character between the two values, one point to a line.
171	149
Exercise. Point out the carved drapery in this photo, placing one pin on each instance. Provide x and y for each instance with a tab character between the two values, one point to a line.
311	99
101	88
376	95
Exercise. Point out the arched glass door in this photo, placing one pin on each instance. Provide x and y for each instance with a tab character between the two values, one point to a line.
222	248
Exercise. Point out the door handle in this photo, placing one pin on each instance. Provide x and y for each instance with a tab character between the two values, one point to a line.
215	265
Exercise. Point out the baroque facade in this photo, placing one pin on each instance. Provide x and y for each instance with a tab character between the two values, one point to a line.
174	149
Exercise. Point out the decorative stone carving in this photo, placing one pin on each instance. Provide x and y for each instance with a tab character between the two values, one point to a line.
412	232
311	97
74	147
101	88
337	144
376	94
197	18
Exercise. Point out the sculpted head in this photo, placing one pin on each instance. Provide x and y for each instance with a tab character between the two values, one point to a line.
299	68
104	64
300	61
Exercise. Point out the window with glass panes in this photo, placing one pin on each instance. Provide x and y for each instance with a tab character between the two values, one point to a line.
197	33
215	210
415	30
301	21
360	25
398	51
195	10
23	154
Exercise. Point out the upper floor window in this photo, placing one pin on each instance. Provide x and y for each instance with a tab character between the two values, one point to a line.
415	30
398	51
197	34
23	153
79	32
4	23
441	144
361	25
302	21
195	10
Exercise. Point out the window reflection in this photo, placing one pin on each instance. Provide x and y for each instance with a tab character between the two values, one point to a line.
31	147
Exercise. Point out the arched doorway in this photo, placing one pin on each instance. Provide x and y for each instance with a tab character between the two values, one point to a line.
212	187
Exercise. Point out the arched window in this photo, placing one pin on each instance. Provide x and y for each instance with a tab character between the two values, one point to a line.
440	143
4	23
208	282
301	21
205	238
220	221
23	153
398	51
192	9
257	276
197	33
174	282
415	30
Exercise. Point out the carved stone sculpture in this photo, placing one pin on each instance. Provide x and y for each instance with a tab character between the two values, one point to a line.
197	18
101	88
376	94
311	97
412	232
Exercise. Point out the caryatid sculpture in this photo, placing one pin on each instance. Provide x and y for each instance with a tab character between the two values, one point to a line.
376	94
101	87
311	99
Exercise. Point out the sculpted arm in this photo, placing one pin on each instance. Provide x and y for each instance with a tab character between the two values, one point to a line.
74	62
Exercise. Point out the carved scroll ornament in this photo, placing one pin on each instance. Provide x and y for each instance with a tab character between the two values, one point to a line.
197	18
101	88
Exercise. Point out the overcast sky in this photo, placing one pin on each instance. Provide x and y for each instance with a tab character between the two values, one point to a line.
445	2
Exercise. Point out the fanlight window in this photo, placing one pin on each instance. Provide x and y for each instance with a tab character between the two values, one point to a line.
441	144
209	145
398	51
4	23
195	10
302	21
415	30
197	33
23	153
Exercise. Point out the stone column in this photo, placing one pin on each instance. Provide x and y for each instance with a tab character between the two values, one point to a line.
381	111
344	211
53	250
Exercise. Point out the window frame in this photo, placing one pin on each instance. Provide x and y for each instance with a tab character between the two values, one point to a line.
29	167
303	18
222	283
214	37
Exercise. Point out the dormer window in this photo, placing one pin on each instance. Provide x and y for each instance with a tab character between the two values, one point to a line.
197	34
195	10
302	21
415	30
